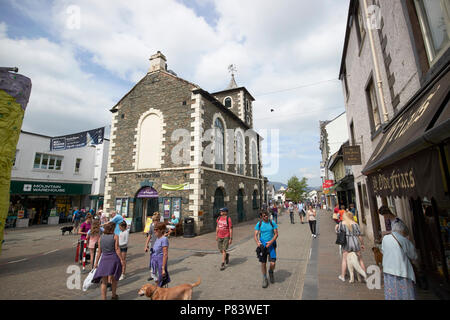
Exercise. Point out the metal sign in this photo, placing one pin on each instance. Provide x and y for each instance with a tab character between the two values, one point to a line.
352	155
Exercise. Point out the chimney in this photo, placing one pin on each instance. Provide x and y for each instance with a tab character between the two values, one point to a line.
158	62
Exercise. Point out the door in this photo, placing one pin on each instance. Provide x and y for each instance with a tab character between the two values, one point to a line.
218	203
138	213
240	206
151	208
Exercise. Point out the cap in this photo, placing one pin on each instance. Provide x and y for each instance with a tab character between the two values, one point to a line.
225	209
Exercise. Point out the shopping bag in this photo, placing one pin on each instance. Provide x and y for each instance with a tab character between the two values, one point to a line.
88	281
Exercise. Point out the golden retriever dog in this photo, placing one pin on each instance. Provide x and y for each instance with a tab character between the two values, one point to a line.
353	264
378	256
181	292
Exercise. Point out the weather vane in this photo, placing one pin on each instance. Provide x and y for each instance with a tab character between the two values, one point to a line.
232	69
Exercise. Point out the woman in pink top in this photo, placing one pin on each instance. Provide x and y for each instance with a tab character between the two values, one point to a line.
93	237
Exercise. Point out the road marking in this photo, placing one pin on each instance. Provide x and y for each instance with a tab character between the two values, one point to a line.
50	252
310	250
17	261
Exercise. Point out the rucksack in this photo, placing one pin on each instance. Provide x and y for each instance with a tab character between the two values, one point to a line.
221	217
271	223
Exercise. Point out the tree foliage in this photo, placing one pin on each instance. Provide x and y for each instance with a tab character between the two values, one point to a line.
297	189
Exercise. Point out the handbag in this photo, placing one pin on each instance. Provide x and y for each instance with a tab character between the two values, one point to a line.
341	236
335	216
421	279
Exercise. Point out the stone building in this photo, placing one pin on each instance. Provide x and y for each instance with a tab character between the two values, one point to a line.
395	78
181	150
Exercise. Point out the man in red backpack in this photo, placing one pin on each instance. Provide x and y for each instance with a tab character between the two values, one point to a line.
224	235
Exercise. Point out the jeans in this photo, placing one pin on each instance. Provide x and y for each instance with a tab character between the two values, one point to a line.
291	215
312	226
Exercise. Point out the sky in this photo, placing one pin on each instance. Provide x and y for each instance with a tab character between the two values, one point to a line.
84	56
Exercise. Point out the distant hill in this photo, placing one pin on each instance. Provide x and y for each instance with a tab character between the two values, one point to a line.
278	185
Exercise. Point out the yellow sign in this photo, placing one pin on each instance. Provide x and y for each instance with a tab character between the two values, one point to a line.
147	225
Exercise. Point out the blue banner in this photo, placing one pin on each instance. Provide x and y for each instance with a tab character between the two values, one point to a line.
78	140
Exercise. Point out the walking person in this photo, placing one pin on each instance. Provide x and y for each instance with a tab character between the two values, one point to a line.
354	242
266	234
291	211
110	267
123	245
93	239
311	213
301	211
151	238
398	272
83	231
224	235
274	213
76	218
160	254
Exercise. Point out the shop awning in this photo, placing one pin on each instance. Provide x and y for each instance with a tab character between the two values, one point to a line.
405	152
408	132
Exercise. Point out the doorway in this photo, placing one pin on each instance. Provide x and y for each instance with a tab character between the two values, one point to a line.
219	202
240	206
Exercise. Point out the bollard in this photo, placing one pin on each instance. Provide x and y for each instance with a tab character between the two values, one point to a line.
78	251
84	255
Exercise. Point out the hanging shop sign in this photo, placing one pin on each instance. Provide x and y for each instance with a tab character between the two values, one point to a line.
352	155
78	140
328	184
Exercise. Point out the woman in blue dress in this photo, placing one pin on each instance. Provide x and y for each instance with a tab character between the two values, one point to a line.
160	254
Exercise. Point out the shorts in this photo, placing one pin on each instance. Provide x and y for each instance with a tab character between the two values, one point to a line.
124	249
223	243
271	253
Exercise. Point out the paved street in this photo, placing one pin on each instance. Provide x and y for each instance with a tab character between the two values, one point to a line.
34	262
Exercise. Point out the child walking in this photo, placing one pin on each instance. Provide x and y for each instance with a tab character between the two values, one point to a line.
93	238
123	245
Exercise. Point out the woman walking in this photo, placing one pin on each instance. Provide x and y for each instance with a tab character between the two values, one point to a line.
354	242
398	271
110	267
150	242
312	220
160	255
123	245
93	238
84	229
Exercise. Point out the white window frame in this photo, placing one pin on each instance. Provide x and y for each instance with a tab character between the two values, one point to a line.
49	157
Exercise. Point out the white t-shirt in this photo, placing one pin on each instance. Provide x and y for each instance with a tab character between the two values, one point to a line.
123	238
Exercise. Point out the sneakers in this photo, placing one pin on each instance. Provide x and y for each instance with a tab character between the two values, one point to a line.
227	258
265	283
222	267
341	278
272	279
122	276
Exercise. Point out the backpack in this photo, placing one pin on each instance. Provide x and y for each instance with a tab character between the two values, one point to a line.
271	223
221	217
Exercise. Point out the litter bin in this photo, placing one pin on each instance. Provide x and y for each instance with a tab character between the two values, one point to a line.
188	231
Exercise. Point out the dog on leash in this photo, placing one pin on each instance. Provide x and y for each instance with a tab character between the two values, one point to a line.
378	256
181	292
66	229
353	264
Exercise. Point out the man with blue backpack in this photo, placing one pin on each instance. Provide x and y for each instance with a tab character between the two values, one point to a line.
266	234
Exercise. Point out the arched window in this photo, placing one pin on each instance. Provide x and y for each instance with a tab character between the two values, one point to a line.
150	142
228	102
239	153
219	151
254	160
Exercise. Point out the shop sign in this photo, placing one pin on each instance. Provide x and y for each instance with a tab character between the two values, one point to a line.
352	155
48	188
148	175
397	181
328	184
183	186
147	192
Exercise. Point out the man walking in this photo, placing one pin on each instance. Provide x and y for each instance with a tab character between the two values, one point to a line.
224	235
300	208
266	234
291	211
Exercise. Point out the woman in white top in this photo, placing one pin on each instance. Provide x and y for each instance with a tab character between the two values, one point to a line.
123	245
311	213
398	271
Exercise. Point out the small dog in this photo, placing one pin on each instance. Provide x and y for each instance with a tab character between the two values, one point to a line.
66	229
181	292
378	256
353	264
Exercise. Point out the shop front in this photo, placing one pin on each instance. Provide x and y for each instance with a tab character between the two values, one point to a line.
411	164
38	202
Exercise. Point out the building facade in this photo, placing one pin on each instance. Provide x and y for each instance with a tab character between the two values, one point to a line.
394	73
47	184
178	149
